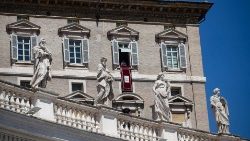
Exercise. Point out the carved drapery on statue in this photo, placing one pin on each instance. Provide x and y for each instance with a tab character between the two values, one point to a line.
104	87
161	92
42	65
219	105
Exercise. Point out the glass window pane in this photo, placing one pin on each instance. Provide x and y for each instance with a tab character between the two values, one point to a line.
77	42
72	60
27	47
27	58
78	49
78	55
20	57
71	55
26	52
71	49
78	60
71	42
20	52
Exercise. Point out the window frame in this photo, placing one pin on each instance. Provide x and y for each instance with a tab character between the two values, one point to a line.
177	45
83	82
129	42
84	64
19	79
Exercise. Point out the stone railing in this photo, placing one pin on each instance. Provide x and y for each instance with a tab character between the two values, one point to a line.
19	101
134	128
185	134
77	116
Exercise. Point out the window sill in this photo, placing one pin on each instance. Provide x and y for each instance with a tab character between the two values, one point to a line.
174	70
77	66
23	63
131	68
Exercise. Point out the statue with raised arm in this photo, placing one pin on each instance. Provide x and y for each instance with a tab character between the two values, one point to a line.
161	93
42	65
104	87
220	107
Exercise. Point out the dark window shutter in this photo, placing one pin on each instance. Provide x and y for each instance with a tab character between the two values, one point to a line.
14	47
183	63
164	55
66	50
134	53
115	49
33	40
85	51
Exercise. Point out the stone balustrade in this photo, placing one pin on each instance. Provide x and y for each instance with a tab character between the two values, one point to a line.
137	129
77	116
185	134
19	101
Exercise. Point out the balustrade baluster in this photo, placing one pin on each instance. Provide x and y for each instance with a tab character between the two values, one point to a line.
6	101
18	104
27	105
78	118
2	96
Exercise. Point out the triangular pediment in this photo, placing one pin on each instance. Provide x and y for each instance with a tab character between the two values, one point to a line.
22	25
179	99
123	31
171	35
79	97
74	28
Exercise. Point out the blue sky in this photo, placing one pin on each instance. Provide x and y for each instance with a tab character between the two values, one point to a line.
225	48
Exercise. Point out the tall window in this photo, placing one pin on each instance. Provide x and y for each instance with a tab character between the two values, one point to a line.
172	57
125	52
23	48
75	52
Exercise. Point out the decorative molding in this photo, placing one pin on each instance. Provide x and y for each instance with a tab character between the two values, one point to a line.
170	35
123	31
74	29
23	25
79	97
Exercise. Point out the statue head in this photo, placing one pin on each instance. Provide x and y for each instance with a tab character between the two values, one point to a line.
160	76
216	91
42	41
103	60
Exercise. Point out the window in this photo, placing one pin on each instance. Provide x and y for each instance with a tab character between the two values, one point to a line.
121	23
75	45
19	18
173	56
76	87
175	91
25	83
125	52
76	52
23	47
23	37
70	21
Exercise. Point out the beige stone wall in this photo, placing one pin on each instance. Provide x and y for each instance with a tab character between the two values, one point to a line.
100	46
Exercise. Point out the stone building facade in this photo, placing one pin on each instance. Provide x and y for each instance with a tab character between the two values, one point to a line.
150	36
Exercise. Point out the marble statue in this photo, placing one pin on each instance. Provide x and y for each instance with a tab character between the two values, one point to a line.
104	87
219	105
42	65
161	93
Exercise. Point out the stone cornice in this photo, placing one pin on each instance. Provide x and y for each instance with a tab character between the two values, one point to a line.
177	12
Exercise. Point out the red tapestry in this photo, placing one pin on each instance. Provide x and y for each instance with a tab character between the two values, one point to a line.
126	79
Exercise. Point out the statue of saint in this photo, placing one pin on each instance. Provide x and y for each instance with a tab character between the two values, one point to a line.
219	105
42	65
104	87
161	90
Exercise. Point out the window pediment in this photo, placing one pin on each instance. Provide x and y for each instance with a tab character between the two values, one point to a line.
123	31
170	35
23	25
179	100
79	97
74	29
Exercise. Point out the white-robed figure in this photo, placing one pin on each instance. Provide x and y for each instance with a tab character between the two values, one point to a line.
42	65
104	87
220	107
161	93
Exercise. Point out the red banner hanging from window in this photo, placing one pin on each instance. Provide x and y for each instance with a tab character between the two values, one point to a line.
126	79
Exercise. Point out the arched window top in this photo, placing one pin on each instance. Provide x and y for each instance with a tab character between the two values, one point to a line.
129	97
